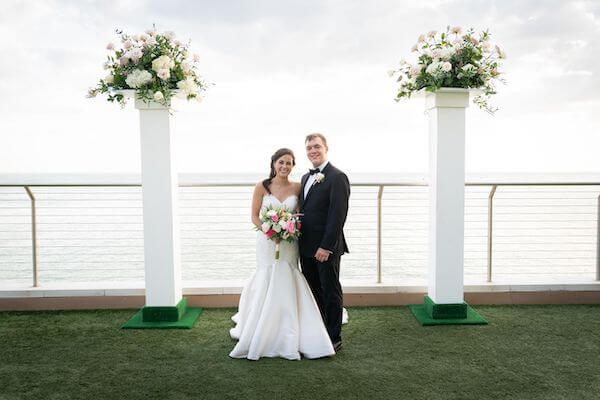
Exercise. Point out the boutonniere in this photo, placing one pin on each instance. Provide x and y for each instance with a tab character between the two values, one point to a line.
320	177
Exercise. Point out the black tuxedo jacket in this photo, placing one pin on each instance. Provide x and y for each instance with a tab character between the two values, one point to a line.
325	210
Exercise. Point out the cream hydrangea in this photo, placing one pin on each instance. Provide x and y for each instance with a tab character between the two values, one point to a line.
137	78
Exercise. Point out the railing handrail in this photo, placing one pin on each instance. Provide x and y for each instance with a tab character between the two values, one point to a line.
379	184
246	184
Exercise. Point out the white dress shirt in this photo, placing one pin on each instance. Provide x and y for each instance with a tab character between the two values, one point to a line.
311	179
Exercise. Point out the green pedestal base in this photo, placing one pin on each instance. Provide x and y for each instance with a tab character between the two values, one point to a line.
430	313
177	317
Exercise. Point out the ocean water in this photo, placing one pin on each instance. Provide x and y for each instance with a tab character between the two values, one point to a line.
88	234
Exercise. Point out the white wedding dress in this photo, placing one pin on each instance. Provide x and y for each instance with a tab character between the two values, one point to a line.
277	314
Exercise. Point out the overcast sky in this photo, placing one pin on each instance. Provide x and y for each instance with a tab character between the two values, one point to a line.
282	69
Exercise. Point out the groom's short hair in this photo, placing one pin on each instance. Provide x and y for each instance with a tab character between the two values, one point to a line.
316	135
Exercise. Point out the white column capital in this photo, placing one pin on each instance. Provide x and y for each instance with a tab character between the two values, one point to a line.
447	98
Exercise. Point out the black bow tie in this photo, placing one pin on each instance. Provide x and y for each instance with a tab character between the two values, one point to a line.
314	171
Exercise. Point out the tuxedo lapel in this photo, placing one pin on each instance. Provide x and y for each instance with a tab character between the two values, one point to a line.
302	184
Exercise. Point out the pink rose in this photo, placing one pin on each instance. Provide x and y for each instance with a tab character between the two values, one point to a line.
270	233
275	218
291	227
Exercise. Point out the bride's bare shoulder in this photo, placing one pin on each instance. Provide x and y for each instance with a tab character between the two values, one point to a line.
259	189
296	187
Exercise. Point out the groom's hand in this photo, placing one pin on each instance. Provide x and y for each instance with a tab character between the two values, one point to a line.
322	255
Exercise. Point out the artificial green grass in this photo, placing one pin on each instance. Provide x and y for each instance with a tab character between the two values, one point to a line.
525	352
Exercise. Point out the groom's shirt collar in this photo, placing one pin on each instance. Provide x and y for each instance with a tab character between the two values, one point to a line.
322	166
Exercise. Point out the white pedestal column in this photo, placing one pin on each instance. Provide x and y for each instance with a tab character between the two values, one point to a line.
161	220
446	110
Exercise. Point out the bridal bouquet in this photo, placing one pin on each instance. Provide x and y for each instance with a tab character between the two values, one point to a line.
279	224
452	59
155	65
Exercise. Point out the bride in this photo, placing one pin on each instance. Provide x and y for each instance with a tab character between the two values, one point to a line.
277	314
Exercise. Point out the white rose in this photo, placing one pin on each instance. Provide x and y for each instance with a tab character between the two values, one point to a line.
91	93
162	62
135	54
416	69
446	67
265	227
188	86
282	223
150	41
270	213
109	79
163	74
277	228
456	30
501	54
447	52
158	96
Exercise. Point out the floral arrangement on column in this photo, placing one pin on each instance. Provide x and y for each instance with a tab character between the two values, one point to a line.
157	66
452	59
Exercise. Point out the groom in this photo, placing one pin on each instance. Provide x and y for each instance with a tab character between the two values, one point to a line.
324	193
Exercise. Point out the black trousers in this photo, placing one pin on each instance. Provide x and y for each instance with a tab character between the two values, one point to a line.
324	281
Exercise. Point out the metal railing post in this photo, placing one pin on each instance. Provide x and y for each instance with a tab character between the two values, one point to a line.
489	241
598	242
33	236
379	196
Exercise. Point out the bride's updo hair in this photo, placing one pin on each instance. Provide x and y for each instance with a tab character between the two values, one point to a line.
278	154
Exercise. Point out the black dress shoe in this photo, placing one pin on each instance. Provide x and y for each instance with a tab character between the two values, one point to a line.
337	346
